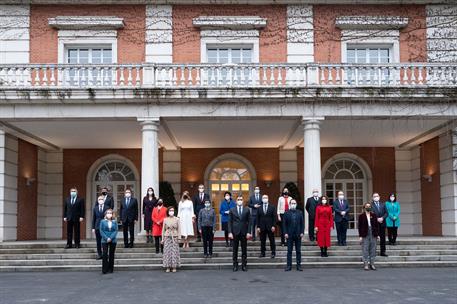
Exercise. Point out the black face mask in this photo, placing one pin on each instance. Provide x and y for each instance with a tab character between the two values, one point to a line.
104	193
285	193
160	204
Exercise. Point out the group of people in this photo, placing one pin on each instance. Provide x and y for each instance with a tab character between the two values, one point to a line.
240	222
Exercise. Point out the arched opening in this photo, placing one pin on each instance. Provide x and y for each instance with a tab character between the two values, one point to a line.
348	173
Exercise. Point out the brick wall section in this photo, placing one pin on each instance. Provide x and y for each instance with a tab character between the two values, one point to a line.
186	37
27	196
327	38
131	39
265	161
381	161
431	191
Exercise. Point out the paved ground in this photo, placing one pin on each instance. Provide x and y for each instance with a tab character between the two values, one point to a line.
407	285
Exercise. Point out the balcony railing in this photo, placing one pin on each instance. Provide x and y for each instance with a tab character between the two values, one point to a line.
227	76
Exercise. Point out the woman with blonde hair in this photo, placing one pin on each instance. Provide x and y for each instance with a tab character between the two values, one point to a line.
108	232
186	217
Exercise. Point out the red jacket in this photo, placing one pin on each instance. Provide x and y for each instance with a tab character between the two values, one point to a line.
324	223
157	220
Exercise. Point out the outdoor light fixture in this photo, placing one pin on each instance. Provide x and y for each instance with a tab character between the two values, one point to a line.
427	177
29	181
268	183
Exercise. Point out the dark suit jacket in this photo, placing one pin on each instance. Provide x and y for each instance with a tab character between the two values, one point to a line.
130	213
380	212
337	209
109	201
363	225
252	202
239	225
97	216
293	223
75	211
311	205
199	204
268	220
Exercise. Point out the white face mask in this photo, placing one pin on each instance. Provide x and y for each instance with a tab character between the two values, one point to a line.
100	202
293	206
315	194
324	201
73	193
150	192
128	194
207	205
227	197
264	200
201	190
376	198
239	203
256	191
392	198
171	213
341	197
109	216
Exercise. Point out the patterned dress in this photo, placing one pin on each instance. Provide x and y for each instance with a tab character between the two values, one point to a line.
170	235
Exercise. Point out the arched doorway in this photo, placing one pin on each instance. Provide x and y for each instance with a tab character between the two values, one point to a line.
351	175
229	172
117	173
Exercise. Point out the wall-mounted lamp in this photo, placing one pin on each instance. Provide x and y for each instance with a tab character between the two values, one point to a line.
191	185
427	177
29	181
268	183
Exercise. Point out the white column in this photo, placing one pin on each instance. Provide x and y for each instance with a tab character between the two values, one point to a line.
312	159
149	155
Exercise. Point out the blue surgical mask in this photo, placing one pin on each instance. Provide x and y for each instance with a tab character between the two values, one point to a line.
73	193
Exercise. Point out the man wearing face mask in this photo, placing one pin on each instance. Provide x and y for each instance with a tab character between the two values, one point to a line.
379	209
239	226
255	202
98	214
199	203
73	215
283	207
266	218
341	209
293	226
207	227
129	216
311	204
107	199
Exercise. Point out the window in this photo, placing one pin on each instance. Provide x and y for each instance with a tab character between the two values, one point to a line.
229	55
91	75
368	55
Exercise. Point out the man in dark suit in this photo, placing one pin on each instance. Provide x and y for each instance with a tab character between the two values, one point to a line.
311	205
341	210
255	201
293	226
107	199
379	209
98	213
73	215
129	216
199	204
266	219
239	226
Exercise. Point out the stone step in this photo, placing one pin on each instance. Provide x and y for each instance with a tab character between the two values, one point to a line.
228	266
227	253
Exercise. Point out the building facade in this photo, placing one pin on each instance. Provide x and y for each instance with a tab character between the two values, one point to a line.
331	95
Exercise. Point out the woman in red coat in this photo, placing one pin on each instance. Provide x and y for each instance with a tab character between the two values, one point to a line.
159	213
323	223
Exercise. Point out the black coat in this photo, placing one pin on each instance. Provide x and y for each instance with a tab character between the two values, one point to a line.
130	213
75	211
239	225
293	223
97	216
253	202
109	202
266	220
380	212
311	205
198	203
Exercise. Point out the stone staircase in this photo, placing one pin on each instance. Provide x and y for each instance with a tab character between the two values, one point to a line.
51	256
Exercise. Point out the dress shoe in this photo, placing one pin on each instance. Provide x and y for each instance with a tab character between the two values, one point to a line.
262	255
235	268
99	257
68	246
110	271
199	239
126	246
131	245
244	268
210	256
299	268
384	254
206	256
77	246
288	268
372	267
366	267
273	255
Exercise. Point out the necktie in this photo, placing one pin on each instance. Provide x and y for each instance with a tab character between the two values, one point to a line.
201	197
377	205
257	197
72	201
239	211
128	202
101	208
286	204
341	204
265	207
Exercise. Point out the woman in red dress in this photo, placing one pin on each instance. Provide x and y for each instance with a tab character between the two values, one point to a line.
159	213
323	223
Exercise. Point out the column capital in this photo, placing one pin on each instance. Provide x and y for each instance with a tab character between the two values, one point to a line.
312	122
149	123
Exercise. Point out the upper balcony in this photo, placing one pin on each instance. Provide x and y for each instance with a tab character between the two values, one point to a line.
246	80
